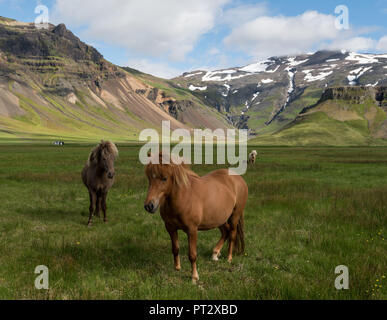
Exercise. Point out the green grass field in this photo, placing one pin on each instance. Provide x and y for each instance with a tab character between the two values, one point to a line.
309	210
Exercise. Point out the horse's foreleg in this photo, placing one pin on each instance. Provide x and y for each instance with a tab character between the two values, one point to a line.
175	246
192	240
93	199
216	253
98	205
104	195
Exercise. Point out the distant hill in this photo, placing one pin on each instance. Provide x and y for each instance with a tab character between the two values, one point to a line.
52	85
346	116
268	95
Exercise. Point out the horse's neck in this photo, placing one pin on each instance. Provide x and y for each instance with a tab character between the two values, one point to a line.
180	195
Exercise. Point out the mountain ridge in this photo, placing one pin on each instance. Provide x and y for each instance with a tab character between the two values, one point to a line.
52	85
268	94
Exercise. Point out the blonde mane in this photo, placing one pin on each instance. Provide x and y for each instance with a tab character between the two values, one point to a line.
179	172
106	146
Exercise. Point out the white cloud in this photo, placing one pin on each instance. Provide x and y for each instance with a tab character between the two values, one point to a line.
382	44
243	13
267	36
153	28
280	35
353	44
214	51
159	69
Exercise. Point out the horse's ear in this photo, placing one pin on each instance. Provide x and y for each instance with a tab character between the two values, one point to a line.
149	153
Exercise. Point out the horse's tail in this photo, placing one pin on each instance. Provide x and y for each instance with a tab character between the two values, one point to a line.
240	237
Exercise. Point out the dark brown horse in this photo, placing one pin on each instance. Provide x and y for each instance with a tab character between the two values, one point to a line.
98	176
191	203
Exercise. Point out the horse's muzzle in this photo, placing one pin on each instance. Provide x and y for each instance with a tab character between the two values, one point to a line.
151	207
110	175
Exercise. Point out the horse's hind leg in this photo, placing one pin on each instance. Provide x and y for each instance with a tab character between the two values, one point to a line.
218	248
233	222
93	199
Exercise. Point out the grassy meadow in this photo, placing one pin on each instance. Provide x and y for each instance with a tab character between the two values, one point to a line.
309	210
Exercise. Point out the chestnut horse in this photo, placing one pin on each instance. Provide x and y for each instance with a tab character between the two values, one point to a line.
98	176
191	203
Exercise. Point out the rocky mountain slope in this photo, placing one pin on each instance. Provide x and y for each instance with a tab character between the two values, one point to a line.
266	96
52	85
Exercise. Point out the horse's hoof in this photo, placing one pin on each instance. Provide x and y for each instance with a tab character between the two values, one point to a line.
229	259
177	268
106	220
215	257
89	224
195	278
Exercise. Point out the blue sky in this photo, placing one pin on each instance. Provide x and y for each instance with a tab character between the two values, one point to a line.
169	37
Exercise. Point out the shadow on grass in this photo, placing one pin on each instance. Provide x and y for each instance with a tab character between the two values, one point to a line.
105	256
52	214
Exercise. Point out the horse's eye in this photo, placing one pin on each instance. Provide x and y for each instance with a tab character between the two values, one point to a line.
163	179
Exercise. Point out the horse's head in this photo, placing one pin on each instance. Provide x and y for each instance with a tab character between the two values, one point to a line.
104	156
160	183
163	175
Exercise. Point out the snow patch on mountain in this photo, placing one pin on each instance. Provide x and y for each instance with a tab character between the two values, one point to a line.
354	75
364	58
293	63
266	81
255	96
291	74
325	69
225	94
291	81
321	76
258	67
214	75
373	85
272	71
193	88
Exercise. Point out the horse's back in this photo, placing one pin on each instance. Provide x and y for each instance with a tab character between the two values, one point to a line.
217	195
235	183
